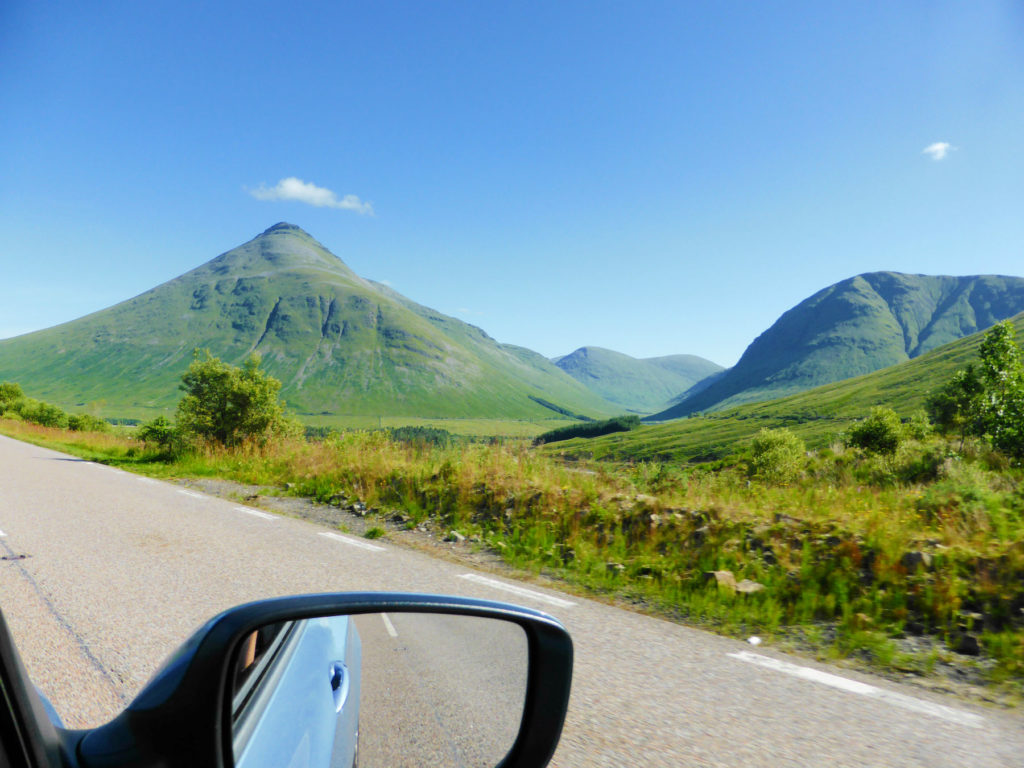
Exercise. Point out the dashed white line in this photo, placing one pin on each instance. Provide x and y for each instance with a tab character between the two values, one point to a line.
520	591
958	716
389	626
193	494
353	542
254	513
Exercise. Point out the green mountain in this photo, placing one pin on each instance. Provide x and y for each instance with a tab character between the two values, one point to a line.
817	415
854	327
340	345
642	385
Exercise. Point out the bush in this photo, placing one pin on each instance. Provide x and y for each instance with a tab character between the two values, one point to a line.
881	432
230	405
10	393
41	413
159	432
83	422
778	455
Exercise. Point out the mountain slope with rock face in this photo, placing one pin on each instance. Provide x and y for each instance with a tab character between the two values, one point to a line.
340	344
857	326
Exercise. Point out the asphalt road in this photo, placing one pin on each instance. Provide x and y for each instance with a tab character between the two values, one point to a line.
106	572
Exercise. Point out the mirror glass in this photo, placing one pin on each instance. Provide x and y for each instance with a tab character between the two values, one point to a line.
379	689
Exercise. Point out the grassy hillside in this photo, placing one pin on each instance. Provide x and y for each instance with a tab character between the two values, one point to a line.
855	327
342	346
816	415
642	385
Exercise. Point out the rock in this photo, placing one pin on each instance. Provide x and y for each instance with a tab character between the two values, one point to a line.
912	561
724	579
914	627
337	500
748	587
643	498
614	567
455	537
966	645
289	486
358	508
754	640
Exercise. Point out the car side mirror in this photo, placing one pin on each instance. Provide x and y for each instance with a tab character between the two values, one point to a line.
332	680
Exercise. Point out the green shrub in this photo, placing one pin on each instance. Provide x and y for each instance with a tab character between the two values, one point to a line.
159	432
10	393
44	414
881	432
778	455
83	422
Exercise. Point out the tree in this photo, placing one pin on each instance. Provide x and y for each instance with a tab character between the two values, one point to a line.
987	401
881	432
227	404
1002	371
958	406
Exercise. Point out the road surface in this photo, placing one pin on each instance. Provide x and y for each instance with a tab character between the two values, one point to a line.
106	572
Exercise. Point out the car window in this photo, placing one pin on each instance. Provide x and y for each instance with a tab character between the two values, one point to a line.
256	657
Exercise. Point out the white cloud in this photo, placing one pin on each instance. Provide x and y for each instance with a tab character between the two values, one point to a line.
310	194
938	150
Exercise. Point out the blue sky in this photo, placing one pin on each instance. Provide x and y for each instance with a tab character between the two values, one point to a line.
652	177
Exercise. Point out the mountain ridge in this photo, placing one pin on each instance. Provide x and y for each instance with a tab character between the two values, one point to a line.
856	326
338	342
643	385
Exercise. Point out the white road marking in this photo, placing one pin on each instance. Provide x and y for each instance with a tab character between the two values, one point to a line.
2	534
193	494
958	716
352	541
389	626
254	513
520	591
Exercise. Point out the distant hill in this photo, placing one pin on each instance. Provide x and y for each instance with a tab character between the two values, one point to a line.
854	327
643	385
817	415
340	344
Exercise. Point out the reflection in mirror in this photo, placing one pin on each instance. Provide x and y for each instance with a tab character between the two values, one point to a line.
380	689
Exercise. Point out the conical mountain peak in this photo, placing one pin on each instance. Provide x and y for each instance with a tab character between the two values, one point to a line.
283	227
341	346
283	247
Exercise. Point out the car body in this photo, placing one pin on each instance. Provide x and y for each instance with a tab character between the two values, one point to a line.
297	701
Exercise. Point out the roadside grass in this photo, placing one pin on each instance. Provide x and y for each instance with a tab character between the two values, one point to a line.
928	542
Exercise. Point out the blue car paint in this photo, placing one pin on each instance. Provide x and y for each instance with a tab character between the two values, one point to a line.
301	723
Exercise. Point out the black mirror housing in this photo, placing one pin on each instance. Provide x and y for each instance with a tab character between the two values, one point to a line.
180	718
